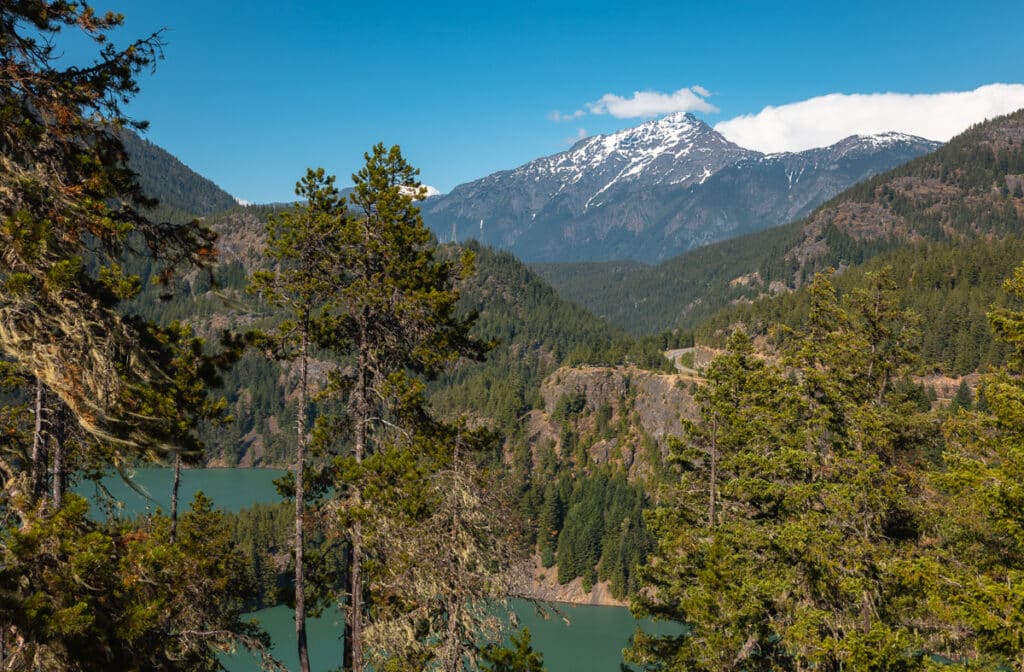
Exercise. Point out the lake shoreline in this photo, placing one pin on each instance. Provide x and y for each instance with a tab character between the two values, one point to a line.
541	583
235	488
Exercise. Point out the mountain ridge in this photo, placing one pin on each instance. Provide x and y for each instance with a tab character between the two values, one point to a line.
649	192
182	192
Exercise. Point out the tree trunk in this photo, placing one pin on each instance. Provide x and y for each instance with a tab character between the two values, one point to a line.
453	659
352	660
300	506
38	466
174	496
713	485
58	477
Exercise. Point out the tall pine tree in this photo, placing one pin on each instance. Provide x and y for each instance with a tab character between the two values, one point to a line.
394	315
306	244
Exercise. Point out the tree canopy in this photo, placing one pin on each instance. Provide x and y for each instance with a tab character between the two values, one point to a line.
71	213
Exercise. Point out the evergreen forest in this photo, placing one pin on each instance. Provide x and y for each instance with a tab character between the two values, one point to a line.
803	448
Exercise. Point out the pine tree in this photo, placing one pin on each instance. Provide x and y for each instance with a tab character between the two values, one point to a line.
79	595
808	562
962	399
708	569
394	315
982	520
306	244
520	657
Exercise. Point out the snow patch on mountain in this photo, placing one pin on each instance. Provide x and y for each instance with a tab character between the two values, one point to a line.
431	191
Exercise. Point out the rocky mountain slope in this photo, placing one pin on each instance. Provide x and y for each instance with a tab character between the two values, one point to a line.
640	408
653	191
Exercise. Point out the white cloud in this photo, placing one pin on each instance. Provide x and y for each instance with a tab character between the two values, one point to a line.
643	104
824	120
581	133
558	116
652	103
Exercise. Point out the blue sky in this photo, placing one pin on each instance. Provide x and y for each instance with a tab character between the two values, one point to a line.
253	92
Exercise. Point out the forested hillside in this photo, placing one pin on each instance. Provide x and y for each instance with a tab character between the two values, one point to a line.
457	434
182	192
678	293
823	517
90	385
950	286
534	331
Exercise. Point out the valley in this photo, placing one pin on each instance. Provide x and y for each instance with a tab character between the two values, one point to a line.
582	403
731	381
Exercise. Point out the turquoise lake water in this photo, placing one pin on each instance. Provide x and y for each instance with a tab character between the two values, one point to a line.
230	489
578	639
591	641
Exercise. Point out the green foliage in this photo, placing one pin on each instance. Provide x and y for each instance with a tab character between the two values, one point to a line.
789	540
569	406
963	398
72	215
86	596
520	657
307	244
679	293
182	193
949	285
534	331
588	524
364	283
262	535
980	512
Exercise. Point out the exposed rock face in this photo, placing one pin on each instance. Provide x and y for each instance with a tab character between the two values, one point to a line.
540	583
642	409
621	416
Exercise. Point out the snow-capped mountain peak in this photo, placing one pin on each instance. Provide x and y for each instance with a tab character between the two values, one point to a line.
869	144
675	149
608	194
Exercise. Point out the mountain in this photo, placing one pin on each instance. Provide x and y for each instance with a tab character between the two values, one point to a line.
653	191
950	225
183	193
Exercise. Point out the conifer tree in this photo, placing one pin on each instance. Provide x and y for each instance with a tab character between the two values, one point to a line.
976	570
394	315
305	243
520	657
77	594
71	213
809	562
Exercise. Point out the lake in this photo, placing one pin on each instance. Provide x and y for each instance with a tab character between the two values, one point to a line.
591	641
230	489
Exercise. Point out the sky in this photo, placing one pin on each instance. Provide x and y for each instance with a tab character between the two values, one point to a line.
252	92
